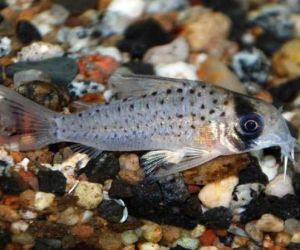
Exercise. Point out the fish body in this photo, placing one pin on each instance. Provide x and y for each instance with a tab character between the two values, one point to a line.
181	122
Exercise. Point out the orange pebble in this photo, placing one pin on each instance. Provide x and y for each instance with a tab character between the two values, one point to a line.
29	178
11	201
208	238
93	98
17	156
83	231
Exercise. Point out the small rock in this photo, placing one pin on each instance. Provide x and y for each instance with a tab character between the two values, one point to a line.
244	193
89	194
8	214
132	8
251	65
269	166
208	248
285	62
177	50
188	243
111	211
217	218
282	239
5	46
270	223
141	36
296	184
78	7
103	167
5	238
52	182
253	232
148	246
43	200
23	238
47	229
129	237
280	186
130	170
170	233
31	75
207	30
49	244
11	185
152	232
179	70
61	69
39	51
27	32
292	226
218	193
159	6
79	88
83	231
286	207
110	240
198	231
19	226
69	217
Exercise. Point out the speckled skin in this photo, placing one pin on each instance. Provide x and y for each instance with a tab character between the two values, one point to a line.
170	119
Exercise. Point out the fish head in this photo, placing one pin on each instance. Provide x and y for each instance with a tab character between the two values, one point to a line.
257	125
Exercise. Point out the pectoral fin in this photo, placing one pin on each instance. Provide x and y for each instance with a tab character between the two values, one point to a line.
162	162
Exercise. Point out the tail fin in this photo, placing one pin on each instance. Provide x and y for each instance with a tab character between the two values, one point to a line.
24	125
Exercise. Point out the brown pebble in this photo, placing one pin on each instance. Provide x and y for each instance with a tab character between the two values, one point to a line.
8	214
82	231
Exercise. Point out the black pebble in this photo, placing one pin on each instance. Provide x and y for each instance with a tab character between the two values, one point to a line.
27	32
150	192
4	239
52	181
47	244
286	92
103	167
252	174
141	36
296	184
174	191
177	247
11	185
79	6
284	208
227	240
293	246
268	43
3	4
217	218
111	211
120	189
140	68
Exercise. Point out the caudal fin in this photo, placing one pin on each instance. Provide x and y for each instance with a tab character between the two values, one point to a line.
24	125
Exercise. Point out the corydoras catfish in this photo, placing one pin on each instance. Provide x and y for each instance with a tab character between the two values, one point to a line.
182	123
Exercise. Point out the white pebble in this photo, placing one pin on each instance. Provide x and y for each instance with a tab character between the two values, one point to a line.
89	194
188	243
163	6
208	248
218	193
28	215
198	231
130	8
148	246
38	51
292	226
43	200
179	70
5	46
56	15
177	50
129	237
280	186
19	226
269	166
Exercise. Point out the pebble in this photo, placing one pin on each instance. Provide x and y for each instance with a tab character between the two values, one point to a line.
61	70
270	223
5	238
111	210
78	7
198	231
31	75
110	51
129	237
218	193
280	186
130	170
295	238
26	32
253	232
269	166
43	200
152	232
170	233
188	243
251	65
79	88
110	240
244	193
206	31
52	182
283	239
38	51
285	62
217	218
19	226
53	244
143	35
11	185
181	70
149	246
103	167
69	217
176	51
208	248
23	238
130	8
8	214
5	46
89	194
292	226
162	6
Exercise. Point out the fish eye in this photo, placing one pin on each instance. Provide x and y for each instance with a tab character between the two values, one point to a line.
251	124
